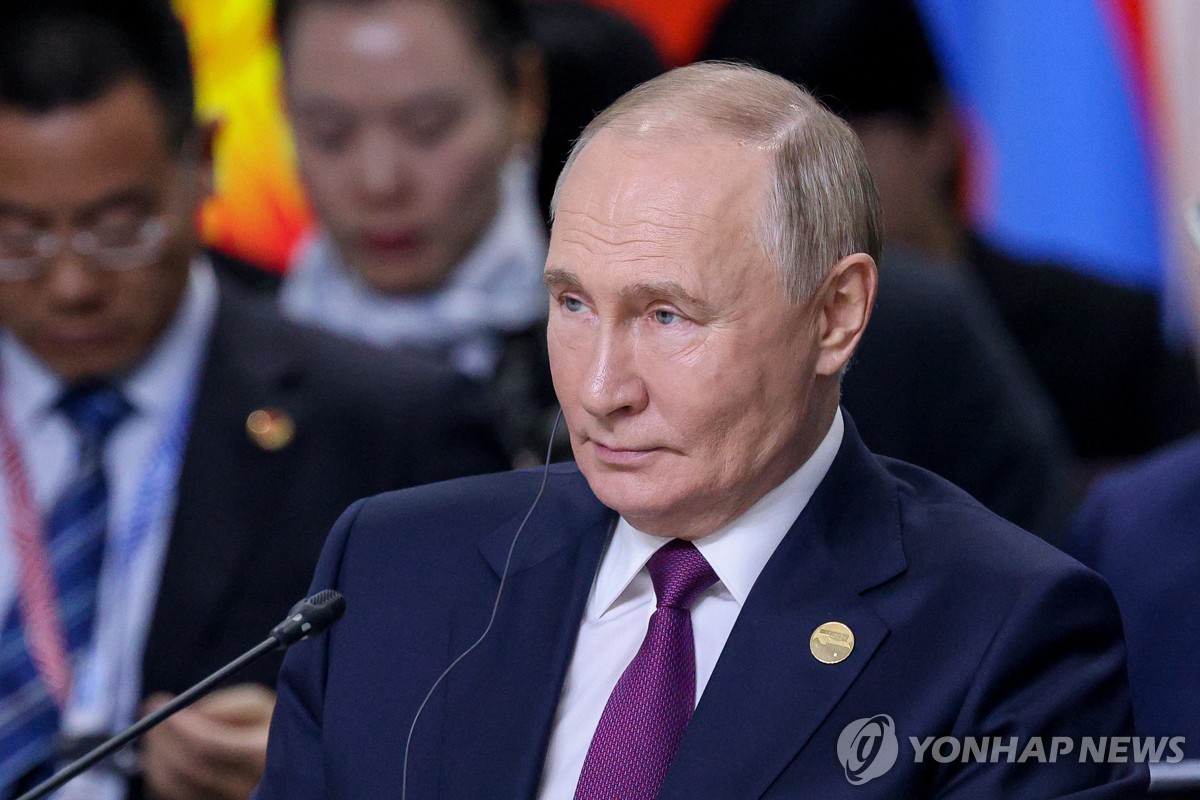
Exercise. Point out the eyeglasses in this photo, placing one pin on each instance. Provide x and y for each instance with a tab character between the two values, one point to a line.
114	246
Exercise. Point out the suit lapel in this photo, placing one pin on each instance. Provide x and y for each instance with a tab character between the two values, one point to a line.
767	686
228	487
502	699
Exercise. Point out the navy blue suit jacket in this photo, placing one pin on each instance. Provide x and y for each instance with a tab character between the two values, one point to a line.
1140	529
965	626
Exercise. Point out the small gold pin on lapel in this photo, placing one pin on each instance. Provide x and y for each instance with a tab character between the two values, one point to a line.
270	428
831	643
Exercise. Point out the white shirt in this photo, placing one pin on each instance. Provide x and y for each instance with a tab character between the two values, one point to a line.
107	677
622	599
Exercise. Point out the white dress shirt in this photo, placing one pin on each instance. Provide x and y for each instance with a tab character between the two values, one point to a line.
107	676
622	599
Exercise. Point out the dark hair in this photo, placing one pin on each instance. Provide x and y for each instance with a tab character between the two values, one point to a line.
592	57
62	53
862	58
500	26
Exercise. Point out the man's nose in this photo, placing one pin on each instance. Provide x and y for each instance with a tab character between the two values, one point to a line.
71	280
612	383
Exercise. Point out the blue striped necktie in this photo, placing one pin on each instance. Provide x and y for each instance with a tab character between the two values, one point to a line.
75	534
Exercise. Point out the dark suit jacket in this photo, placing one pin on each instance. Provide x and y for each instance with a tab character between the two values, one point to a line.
938	382
249	523
521	385
1098	349
1141	530
964	625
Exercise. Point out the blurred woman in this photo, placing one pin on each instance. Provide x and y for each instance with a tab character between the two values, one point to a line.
415	124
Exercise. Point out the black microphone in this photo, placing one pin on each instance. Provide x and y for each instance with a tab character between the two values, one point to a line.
309	617
306	619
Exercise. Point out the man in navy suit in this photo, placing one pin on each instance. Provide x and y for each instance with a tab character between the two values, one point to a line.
728	596
1138	529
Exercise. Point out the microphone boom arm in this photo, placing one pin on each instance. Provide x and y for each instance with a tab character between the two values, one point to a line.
307	618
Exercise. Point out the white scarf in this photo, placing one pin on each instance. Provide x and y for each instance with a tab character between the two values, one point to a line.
496	289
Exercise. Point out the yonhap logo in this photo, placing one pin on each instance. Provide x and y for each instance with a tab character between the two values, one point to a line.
868	748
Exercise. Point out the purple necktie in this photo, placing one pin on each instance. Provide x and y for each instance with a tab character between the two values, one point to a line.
650	707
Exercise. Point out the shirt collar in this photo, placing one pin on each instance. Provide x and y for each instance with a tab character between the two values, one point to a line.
496	287
738	551
32	389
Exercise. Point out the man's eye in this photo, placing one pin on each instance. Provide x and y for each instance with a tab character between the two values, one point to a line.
18	242
572	304
663	317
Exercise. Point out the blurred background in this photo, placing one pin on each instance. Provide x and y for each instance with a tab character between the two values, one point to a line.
1082	124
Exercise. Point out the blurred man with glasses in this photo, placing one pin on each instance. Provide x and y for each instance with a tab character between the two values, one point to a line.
171	451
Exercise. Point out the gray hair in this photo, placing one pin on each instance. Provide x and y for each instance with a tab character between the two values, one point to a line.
823	205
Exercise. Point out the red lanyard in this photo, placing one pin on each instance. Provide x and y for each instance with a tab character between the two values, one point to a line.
43	628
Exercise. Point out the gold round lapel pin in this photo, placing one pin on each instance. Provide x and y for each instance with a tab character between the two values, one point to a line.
270	428
831	643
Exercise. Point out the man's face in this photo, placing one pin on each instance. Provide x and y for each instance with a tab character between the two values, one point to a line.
685	375
402	126
104	165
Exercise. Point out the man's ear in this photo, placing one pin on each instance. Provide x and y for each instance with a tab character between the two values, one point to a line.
845	300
